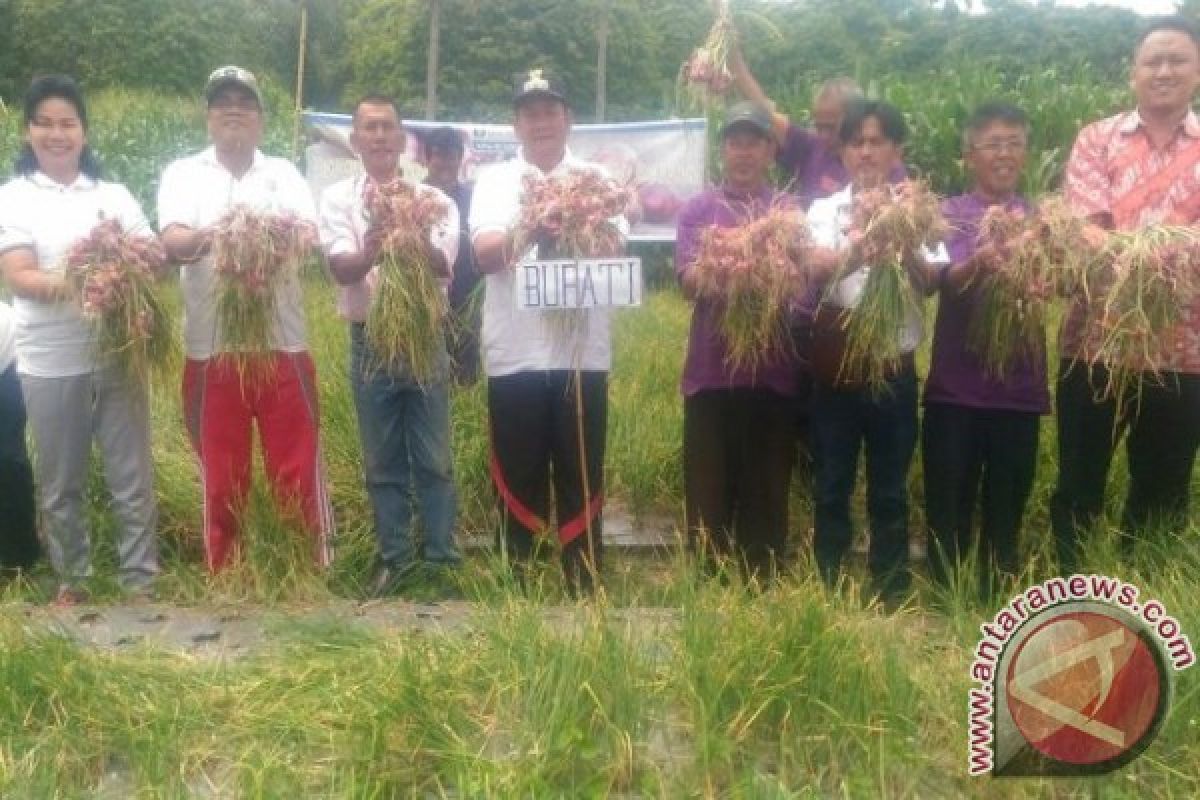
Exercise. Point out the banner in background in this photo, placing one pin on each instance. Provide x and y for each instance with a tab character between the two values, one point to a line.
664	160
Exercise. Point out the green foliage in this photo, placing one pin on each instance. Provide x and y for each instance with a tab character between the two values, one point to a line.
170	44
357	45
1059	103
483	44
791	46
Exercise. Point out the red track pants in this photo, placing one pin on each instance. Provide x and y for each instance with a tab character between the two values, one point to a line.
221	408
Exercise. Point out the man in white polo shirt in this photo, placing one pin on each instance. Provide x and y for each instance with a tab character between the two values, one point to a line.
222	409
404	425
531	365
849	416
18	536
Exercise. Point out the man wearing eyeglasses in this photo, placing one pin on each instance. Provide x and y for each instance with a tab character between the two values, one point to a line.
979	436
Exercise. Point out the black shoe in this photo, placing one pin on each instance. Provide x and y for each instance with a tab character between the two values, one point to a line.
387	581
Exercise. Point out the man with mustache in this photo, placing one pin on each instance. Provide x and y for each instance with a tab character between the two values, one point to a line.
405	425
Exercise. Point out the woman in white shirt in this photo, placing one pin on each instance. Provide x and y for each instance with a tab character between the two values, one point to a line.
72	397
18	534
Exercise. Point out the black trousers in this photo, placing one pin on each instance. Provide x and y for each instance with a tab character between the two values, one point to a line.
984	457
738	453
1161	437
18	531
535	441
845	423
802	410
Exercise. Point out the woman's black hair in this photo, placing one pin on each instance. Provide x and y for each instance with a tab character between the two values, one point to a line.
64	88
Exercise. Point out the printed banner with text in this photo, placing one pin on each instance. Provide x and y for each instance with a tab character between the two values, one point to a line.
663	159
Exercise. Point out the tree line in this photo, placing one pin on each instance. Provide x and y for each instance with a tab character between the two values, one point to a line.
358	45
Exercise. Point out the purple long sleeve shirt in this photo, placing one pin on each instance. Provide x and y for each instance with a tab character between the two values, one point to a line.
706	365
956	375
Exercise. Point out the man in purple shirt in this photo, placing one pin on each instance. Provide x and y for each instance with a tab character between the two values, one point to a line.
979	431
738	425
809	158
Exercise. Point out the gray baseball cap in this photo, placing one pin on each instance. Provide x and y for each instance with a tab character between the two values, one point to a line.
747	116
232	76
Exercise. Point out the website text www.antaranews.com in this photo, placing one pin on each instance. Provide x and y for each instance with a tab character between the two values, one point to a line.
1032	602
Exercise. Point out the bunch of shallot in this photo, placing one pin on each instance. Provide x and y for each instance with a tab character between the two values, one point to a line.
1140	285
890	226
571	215
705	78
404	325
752	273
254	254
111	274
1026	261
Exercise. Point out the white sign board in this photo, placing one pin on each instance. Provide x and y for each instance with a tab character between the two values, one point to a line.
662	160
568	284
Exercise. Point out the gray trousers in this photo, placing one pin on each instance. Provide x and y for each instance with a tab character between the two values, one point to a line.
65	415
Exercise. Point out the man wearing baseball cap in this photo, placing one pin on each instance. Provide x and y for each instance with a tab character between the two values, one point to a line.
738	423
220	408
531	366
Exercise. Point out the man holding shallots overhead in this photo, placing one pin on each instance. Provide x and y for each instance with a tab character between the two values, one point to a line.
547	370
737	253
384	233
240	222
1135	175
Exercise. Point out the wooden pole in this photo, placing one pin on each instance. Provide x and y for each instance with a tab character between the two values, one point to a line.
431	66
303	50
602	61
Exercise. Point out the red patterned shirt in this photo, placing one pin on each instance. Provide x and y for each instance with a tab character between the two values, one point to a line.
1115	169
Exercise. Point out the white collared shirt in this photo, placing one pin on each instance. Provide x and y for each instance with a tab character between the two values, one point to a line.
344	225
53	340
196	191
828	220
8	337
515	341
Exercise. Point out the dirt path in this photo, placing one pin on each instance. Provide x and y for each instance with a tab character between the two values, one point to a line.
233	633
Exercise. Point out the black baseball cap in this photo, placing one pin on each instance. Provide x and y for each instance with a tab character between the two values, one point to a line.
747	116
538	83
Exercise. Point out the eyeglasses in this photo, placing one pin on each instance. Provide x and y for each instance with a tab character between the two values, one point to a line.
997	146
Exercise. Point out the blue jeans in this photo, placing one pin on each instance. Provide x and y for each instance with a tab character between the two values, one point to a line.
405	432
843	422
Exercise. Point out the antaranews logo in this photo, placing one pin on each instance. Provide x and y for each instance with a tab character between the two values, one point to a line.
1073	677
